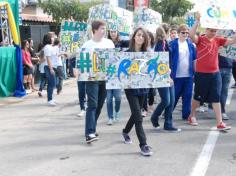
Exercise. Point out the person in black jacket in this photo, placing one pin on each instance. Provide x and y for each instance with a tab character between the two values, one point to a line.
138	43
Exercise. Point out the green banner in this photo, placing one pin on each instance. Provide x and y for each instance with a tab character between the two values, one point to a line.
8	71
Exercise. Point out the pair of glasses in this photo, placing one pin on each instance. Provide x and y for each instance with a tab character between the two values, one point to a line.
184	32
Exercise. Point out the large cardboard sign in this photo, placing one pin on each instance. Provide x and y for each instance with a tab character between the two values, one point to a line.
124	70
72	35
218	14
227	51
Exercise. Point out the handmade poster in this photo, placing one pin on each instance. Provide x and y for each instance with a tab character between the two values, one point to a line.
124	70
230	50
72	35
218	14
190	19
147	18
91	64
115	17
131	70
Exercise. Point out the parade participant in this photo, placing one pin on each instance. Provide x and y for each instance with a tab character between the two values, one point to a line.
27	66
96	90
183	53
173	33
149	98
138	43
207	77
225	65
116	93
166	93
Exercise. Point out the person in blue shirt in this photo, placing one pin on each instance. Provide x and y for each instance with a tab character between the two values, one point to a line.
183	54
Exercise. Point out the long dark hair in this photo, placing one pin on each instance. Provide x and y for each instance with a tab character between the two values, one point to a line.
132	41
23	44
47	39
117	38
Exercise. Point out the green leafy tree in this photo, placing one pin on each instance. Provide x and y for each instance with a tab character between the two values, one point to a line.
171	9
67	9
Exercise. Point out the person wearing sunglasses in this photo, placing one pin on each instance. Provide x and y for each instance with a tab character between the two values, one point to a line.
207	77
183	54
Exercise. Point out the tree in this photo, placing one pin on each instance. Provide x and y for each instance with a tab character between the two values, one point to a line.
171	9
67	9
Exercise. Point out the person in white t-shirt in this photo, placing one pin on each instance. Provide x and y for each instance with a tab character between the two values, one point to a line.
183	53
50	67
96	90
57	56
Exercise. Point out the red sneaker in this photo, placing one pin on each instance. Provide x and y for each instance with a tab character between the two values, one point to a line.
192	121
223	126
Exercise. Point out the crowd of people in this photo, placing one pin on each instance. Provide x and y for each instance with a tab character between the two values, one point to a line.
198	75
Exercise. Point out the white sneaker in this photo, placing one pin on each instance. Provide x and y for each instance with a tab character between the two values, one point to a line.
51	103
224	116
82	113
110	122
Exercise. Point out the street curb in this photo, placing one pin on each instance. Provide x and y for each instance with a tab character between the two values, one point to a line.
13	100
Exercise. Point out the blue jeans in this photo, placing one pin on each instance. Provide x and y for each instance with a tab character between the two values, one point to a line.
81	93
43	80
167	95
96	92
225	76
51	78
184	89
117	94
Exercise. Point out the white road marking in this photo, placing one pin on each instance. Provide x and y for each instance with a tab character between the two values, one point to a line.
204	158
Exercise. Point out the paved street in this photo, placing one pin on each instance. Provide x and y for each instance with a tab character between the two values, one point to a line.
37	140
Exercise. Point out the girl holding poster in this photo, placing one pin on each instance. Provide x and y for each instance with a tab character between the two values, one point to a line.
138	43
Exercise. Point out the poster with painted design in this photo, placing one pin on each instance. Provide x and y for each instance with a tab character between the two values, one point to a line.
218	14
131	70
115	17
190	19
230	50
147	18
91	64
72	35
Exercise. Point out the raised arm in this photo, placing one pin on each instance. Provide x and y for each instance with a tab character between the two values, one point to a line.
193	30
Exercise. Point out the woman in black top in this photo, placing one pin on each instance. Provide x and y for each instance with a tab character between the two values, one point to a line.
138	43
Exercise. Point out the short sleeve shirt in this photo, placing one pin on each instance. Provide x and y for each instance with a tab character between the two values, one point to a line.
207	54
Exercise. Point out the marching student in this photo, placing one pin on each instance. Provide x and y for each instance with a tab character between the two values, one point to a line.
116	93
138	43
207	77
183	54
96	90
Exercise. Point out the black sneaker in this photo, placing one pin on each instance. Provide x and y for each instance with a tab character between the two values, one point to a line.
155	124
127	139
145	150
90	138
173	129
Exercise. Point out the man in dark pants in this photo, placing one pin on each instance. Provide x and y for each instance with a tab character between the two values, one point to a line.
96	90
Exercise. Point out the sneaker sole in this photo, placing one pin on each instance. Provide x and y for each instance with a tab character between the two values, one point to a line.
224	129
146	154
128	142
92	140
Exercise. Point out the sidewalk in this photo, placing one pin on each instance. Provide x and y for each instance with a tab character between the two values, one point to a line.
13	100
